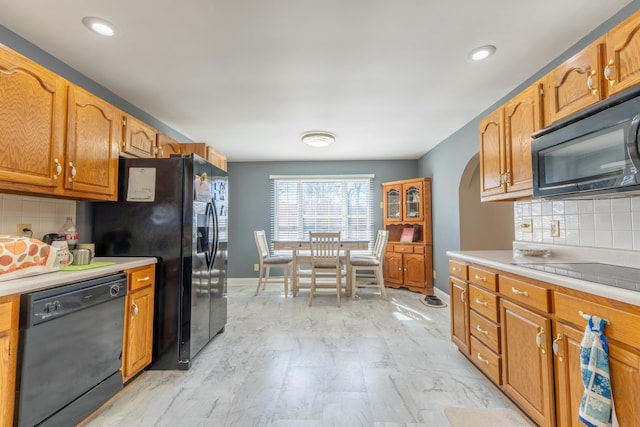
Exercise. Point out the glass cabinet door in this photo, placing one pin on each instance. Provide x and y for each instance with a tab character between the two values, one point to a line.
393	203
412	202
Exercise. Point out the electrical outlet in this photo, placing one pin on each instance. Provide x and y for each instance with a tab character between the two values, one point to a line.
555	228
526	225
20	227
256	267
434	275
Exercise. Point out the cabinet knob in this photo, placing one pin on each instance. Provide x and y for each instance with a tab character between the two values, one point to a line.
539	340
135	309
608	73
594	90
73	172
481	278
483	360
482	331
462	297
58	167
556	348
482	303
519	292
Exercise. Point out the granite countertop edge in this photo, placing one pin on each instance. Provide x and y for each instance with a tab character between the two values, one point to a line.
505	261
58	278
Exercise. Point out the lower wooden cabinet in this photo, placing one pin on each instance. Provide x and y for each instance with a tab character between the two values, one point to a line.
9	315
137	343
531	349
409	265
527	375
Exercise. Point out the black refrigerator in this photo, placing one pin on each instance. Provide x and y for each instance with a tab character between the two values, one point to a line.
174	209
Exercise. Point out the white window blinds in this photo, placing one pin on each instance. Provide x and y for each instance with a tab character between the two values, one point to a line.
303	204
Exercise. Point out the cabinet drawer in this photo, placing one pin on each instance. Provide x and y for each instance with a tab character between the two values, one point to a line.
525	293
407	249
6	314
483	302
485	331
486	360
484	278
458	270
418	249
622	326
142	278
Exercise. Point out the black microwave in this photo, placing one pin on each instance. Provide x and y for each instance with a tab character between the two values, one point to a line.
593	153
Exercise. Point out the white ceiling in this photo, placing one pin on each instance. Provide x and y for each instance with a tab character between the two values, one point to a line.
389	78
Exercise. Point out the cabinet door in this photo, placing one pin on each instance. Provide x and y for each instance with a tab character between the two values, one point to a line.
167	146
522	117
139	139
9	310
93	131
412	200
414	271
527	372
575	84
32	115
624	366
393	268
492	154
392	202
139	332
459	314
622	64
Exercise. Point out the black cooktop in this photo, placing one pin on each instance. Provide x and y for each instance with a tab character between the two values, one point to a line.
610	275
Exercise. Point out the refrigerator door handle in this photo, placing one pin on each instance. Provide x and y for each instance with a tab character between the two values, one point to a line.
216	233
208	254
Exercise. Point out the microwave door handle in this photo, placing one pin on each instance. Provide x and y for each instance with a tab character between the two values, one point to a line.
632	142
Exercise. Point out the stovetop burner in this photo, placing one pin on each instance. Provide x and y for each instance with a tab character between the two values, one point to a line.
610	275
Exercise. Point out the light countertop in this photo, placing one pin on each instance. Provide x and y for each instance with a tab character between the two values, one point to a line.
57	278
505	261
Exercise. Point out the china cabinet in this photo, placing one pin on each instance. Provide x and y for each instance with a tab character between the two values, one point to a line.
138	321
407	216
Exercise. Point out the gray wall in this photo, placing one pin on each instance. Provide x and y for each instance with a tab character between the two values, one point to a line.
250	204
446	163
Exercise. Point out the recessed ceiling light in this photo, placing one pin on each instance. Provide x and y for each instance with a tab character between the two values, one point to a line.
318	138
100	26
480	53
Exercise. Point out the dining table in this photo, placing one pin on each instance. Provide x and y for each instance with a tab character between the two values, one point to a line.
297	247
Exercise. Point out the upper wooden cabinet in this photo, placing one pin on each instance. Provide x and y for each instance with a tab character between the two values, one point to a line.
167	145
404	201
575	84
32	119
41	159
505	147
93	132
206	151
138	138
622	59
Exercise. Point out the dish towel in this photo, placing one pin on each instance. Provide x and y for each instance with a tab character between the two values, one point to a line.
596	408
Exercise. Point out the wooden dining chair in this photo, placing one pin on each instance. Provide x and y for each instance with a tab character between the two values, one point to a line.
325	263
367	270
268	261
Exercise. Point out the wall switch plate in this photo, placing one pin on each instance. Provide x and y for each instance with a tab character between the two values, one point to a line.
21	227
555	228
526	226
256	267
434	275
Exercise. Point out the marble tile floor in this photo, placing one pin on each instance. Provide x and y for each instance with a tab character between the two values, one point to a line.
281	363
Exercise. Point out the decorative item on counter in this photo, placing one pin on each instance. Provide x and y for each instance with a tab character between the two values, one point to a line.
22	256
70	233
538	252
64	257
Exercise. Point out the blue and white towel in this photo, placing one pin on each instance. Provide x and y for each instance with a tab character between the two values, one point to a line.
596	408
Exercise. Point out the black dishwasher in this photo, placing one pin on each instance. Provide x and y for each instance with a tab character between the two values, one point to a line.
70	351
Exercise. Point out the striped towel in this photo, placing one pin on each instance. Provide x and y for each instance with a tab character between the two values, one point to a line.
596	408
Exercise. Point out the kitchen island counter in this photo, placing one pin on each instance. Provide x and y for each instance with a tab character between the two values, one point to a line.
58	278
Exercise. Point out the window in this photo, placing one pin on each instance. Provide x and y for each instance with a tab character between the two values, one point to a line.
301	204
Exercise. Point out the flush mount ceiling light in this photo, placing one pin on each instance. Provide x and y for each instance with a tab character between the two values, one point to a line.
480	53
318	138
100	26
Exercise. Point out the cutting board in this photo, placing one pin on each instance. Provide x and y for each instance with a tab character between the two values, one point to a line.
86	266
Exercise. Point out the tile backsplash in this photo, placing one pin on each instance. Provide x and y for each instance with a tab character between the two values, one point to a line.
45	215
601	223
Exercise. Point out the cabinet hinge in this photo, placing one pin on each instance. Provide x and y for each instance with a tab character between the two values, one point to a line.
541	90
124	121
